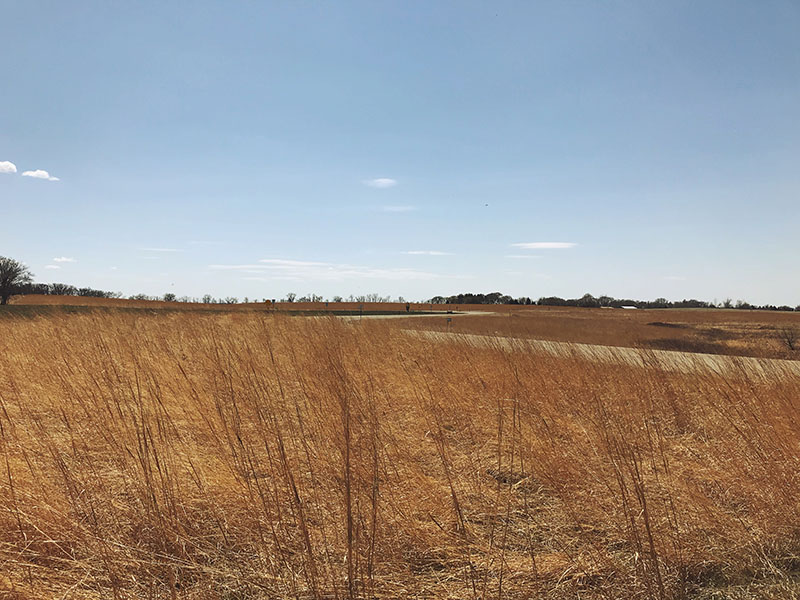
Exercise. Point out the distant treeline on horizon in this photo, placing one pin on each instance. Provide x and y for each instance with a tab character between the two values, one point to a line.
585	301
589	301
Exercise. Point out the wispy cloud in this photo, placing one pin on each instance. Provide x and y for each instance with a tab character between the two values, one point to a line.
7	166
544	245
428	253
52	267
674	278
398	209
299	270
282	263
64	259
40	174
161	249
523	256
380	182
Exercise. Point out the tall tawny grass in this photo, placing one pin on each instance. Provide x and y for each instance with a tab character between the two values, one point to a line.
252	456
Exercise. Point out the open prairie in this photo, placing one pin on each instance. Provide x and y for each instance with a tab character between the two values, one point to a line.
245	454
598	178
757	333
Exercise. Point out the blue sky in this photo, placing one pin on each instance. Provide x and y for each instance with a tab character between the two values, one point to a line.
636	149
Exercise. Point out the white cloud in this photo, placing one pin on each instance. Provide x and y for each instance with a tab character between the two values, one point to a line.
674	278
64	259
429	253
523	256
381	182
52	267
281	263
398	209
298	270
40	174
161	249
544	245
7	166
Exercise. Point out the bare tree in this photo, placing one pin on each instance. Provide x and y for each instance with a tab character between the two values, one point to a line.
63	289
789	336
12	275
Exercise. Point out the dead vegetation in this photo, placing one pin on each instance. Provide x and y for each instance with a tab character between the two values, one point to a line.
789	336
761	334
242	455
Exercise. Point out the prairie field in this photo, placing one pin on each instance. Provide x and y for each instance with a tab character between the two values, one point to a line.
756	333
246	454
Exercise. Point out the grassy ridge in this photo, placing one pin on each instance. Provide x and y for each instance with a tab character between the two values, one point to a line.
244	455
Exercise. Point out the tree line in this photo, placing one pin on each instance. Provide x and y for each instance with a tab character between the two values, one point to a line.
63	289
589	301
16	278
492	298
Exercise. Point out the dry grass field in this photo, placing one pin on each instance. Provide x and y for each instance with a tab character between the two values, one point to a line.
247	455
713	331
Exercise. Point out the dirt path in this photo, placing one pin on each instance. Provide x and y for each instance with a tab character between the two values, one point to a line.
686	362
